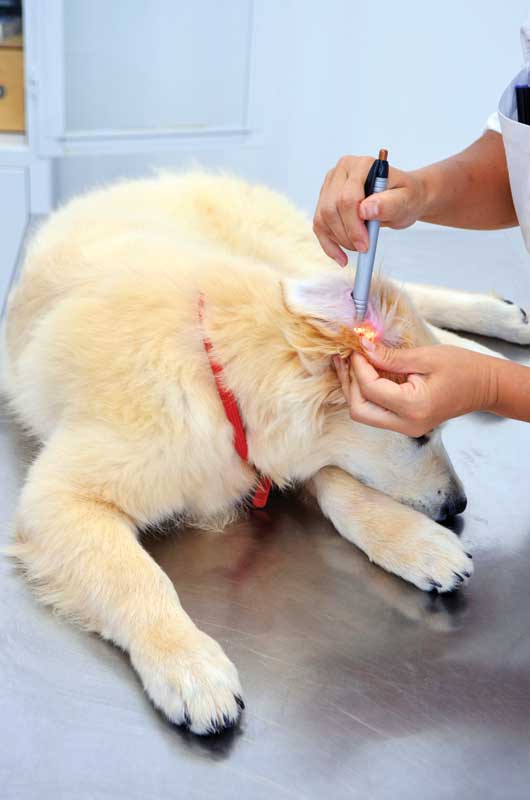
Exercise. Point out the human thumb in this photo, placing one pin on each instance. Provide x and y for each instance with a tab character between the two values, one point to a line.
385	206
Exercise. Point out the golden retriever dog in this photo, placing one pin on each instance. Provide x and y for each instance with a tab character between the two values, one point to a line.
141	312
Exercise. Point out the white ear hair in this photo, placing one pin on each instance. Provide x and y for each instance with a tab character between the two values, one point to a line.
325	297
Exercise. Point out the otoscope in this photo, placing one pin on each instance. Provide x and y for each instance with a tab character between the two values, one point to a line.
376	181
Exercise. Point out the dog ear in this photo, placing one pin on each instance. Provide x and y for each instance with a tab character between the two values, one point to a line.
325	299
321	318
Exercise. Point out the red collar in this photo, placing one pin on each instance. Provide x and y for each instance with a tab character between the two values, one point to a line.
262	490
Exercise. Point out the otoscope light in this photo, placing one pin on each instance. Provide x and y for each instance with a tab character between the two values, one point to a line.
366	331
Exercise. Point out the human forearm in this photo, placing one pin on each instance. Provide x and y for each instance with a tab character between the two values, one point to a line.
470	189
511	390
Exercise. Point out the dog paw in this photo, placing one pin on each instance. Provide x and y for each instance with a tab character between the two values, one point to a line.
193	683
510	322
435	560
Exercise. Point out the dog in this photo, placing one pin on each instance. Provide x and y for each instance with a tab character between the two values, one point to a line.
157	324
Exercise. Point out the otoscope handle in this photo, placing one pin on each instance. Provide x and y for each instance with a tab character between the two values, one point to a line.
365	261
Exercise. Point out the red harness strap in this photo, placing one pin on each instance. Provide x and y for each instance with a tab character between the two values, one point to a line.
262	490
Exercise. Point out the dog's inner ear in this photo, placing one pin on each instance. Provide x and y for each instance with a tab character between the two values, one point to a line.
326	298
323	324
321	314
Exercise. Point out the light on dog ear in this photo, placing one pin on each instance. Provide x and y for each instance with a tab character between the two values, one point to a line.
366	331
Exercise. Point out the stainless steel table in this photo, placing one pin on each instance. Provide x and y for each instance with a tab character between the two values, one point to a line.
356	684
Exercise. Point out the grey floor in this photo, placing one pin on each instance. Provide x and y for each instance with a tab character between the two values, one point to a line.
356	684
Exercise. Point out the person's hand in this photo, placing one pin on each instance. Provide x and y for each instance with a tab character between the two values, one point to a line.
342	208
442	382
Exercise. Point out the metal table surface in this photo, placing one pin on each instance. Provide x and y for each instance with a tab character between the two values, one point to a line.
357	685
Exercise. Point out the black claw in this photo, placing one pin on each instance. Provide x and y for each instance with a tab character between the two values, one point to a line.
435	584
467	574
187	719
239	701
524	315
459	577
215	727
469	555
509	302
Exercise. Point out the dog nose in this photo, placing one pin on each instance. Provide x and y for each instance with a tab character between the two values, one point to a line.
453	506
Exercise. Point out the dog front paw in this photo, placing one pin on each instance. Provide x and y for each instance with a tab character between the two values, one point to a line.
432	558
191	681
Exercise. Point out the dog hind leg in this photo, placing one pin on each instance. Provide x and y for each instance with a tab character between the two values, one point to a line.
448	337
82	554
483	314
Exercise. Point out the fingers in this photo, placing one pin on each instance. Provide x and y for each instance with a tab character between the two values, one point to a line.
328	219
321	228
347	189
362	379
381	391
402	361
378	401
388	207
330	247
337	223
363	410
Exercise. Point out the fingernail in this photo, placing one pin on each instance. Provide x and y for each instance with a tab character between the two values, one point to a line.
367	344
370	210
342	261
362	247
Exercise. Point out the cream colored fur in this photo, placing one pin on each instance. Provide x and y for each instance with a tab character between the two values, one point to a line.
105	364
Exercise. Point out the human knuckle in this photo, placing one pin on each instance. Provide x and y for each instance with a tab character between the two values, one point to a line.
347	200
345	161
365	161
417	415
328	213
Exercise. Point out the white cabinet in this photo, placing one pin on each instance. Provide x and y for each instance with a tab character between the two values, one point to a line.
248	86
124	88
161	67
116	77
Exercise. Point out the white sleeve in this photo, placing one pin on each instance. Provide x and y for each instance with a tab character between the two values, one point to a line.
493	123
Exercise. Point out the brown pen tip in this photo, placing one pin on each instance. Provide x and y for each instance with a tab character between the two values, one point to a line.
383	155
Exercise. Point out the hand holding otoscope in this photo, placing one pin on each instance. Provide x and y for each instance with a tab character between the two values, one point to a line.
471	189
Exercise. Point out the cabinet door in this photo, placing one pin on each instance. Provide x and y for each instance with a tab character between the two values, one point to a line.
136	74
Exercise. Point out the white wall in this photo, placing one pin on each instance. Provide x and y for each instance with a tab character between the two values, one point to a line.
439	69
347	76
